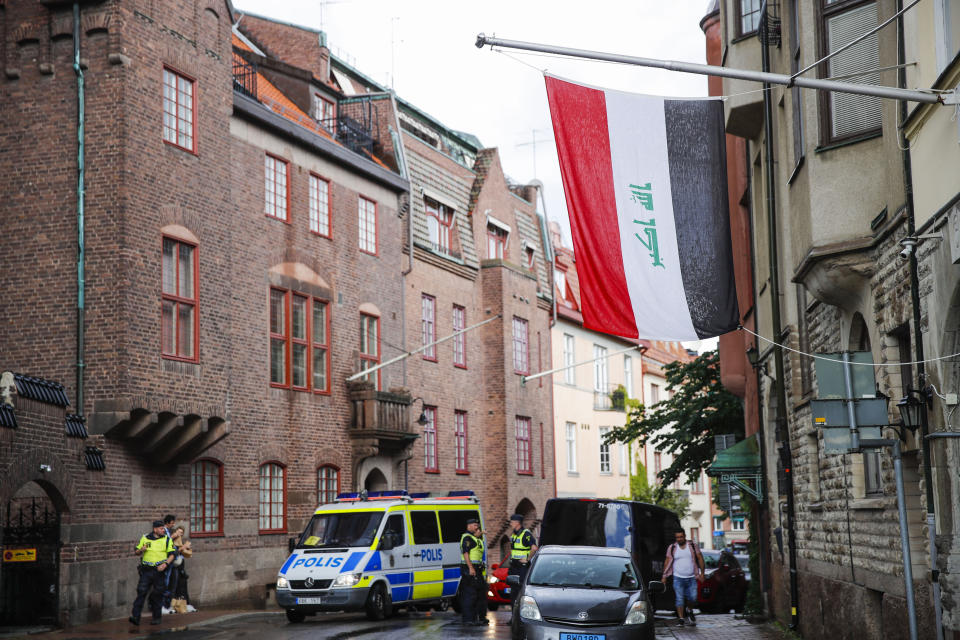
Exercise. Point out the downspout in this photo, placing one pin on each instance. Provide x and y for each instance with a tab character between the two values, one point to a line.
81	256
782	428
402	166
918	336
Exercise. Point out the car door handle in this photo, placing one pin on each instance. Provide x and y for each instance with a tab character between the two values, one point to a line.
405	555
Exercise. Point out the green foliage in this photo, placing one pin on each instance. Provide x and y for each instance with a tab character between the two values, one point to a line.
684	424
641	491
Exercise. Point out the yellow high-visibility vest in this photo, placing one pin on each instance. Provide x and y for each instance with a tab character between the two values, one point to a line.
518	550
155	551
476	553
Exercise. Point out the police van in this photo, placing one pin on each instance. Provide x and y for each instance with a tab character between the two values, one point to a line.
373	551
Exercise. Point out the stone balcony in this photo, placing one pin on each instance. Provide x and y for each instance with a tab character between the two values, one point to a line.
380	419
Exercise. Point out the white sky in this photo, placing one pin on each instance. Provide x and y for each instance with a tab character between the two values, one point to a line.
427	48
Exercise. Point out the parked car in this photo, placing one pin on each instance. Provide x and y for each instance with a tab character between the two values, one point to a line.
578	592
498	591
725	584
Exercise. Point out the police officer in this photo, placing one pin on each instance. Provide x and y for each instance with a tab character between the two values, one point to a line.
473	587
522	547
156	553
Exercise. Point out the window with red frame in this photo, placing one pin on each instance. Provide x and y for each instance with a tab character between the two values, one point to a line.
524	452
328	483
299	341
206	498
521	346
657	463
319	206
370	345
179	124
496	242
460	340
275	187
428	325
325	111
430	441
460	440
179	282
367	219
439	223
273	498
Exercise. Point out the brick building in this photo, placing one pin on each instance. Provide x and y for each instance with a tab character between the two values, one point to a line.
245	213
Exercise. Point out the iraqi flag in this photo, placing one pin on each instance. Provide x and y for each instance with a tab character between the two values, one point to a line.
646	189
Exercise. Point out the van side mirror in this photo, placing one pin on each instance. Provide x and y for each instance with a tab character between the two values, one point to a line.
387	541
291	544
513	580
656	587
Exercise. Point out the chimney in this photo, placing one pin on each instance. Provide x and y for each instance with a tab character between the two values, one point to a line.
555	236
324	58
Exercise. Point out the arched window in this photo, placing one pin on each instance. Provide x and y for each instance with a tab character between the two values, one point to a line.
273	498
328	483
206	498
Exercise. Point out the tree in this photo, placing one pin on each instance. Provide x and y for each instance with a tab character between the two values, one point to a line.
684	424
641	491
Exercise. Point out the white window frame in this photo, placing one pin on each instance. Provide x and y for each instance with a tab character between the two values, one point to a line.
605	468
601	372
571	438
569	353
738	524
628	374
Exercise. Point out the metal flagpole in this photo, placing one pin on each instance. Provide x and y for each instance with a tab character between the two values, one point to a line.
524	379
366	372
927	97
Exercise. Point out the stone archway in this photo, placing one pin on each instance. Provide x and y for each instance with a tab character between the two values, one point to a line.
375	481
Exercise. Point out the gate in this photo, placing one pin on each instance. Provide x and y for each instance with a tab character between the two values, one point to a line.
30	577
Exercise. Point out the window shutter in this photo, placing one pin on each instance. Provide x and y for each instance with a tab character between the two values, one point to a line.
850	113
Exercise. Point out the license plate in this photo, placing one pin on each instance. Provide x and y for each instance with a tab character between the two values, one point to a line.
309	600
506	591
582	636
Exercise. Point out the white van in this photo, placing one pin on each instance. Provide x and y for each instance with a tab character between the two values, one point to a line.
373	551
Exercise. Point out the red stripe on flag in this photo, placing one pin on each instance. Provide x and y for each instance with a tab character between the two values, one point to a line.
579	117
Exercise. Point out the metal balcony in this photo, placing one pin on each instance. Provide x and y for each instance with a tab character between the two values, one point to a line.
614	398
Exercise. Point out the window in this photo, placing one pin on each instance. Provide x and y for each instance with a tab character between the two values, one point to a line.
529	255
601	375
273	498
430	441
276	187
749	12
459	340
328	484
570	371
524	452
496	242
460	440
370	345
654	394
439	222
206	498
571	429
604	450
179	104
697	486
521	346
424	525
738	524
454	523
179	282
946	15
657	463
628	375
624	459
395	526
695	534
367	215
319	206
428	332
848	115
717	524
872	474
560	278
325	111
299	341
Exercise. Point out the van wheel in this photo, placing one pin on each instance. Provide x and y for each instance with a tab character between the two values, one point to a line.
455	603
378	605
493	606
295	616
443	605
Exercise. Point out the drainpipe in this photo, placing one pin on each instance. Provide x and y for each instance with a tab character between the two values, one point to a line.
918	336
80	211
402	165
779	389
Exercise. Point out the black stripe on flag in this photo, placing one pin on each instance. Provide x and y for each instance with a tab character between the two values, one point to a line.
696	149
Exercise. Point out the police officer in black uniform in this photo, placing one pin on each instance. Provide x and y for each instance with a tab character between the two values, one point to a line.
522	548
473	586
157	554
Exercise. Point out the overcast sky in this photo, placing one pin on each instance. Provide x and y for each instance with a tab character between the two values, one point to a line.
425	50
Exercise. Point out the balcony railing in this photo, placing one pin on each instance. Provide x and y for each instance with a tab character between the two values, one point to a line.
382	415
614	398
351	133
244	77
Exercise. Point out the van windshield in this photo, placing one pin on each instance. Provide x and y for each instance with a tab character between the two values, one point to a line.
356	529
588	522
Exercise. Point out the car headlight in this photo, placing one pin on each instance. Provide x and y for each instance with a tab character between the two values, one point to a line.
492	580
347	579
282	583
637	613
529	609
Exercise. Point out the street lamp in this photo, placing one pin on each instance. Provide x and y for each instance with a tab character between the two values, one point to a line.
753	356
422	420
910	411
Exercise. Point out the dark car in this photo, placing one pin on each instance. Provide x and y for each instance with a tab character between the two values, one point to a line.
582	593
725	583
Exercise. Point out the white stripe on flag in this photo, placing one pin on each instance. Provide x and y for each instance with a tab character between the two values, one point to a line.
638	150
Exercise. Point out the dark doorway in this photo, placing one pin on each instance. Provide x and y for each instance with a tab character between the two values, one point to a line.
30	576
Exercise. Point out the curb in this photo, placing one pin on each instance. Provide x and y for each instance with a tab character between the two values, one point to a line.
207	622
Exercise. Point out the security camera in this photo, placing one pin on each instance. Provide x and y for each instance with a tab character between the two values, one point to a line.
908	244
